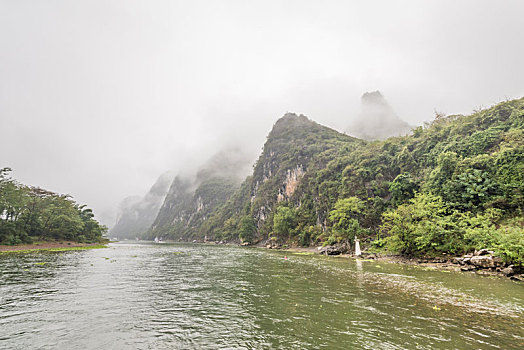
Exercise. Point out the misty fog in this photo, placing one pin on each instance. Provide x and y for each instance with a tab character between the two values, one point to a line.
377	120
97	98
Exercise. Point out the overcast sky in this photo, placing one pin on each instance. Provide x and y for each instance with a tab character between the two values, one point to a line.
98	98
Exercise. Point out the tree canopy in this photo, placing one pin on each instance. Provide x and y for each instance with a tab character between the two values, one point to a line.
32	213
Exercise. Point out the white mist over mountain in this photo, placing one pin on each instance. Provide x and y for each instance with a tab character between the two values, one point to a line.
136	213
97	98
377	120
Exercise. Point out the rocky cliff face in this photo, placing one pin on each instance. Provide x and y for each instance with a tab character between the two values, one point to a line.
191	199
296	148
377	120
136	214
291	182
176	203
314	185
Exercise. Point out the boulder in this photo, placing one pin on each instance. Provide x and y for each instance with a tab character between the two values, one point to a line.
485	261
483	252
498	261
273	245
458	260
468	268
508	271
330	250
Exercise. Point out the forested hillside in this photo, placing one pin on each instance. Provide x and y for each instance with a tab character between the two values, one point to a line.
455	185
192	199
31	213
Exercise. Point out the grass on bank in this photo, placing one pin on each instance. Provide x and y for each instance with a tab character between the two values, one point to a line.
60	249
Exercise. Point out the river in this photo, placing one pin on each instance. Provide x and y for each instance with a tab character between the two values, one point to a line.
195	296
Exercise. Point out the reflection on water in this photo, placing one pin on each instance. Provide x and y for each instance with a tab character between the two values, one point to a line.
145	296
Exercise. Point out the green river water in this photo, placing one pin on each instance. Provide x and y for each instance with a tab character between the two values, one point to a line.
195	296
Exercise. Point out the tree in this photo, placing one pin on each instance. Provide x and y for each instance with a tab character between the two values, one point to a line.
284	221
27	212
345	218
402	188
446	165
246	229
424	225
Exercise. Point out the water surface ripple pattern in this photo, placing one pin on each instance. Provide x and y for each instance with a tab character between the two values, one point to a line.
172	296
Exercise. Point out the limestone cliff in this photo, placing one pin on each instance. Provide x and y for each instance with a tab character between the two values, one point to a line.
295	149
191	199
136	214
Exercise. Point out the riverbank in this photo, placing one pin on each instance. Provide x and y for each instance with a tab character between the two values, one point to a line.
452	264
457	264
482	264
50	246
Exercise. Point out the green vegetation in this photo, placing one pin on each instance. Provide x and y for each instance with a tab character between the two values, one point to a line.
455	185
28	213
247	229
62	249
345	219
186	209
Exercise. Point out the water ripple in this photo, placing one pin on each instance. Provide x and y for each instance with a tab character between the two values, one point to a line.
144	296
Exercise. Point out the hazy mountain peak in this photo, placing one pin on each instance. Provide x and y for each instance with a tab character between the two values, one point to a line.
374	97
377	120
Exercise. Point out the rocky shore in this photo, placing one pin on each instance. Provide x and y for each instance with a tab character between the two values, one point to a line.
479	262
482	261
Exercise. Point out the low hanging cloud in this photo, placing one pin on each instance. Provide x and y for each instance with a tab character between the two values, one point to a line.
99	98
377	120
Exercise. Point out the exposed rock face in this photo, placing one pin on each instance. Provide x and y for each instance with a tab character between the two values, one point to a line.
291	182
483	252
337	249
191	199
377	120
177	197
508	271
484	261
291	148
136	214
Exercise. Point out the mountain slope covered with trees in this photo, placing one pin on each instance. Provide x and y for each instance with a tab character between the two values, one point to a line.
193	198
455	185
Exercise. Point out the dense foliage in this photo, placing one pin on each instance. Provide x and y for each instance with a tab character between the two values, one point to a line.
31	213
455	185
188	205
